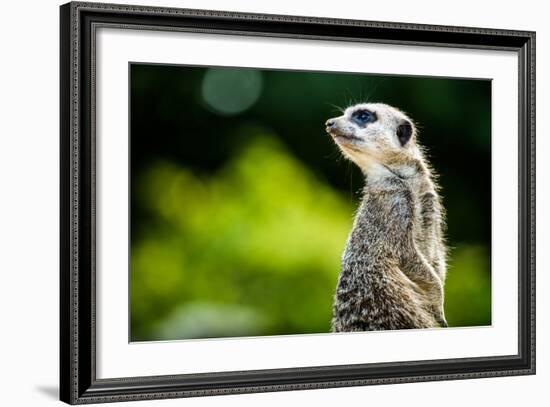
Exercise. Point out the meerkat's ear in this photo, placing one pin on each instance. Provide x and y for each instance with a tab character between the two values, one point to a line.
404	132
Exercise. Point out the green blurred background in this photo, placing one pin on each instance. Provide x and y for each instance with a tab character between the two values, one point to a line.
241	204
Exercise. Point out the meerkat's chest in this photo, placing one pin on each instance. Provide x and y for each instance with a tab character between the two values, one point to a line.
369	236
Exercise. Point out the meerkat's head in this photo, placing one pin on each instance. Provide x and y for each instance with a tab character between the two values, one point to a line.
379	138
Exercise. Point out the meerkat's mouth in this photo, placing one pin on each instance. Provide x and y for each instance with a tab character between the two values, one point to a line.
348	137
344	136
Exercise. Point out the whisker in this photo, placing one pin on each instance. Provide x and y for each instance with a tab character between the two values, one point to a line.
338	109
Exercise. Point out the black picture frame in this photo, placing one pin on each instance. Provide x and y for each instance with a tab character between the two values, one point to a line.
78	382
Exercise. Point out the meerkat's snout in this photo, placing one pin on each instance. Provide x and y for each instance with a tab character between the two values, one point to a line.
341	130
329	125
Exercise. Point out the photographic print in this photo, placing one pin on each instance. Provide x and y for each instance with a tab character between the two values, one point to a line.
279	202
256	202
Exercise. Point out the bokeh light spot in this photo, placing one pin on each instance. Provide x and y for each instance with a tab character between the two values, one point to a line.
231	91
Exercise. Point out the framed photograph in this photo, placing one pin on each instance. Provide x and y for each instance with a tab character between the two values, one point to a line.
255	203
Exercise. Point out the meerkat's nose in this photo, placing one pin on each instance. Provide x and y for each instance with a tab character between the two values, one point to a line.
330	123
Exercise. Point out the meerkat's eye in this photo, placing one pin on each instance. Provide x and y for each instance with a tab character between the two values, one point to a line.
363	116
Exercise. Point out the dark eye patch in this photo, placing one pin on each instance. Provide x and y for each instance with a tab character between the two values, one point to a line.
363	116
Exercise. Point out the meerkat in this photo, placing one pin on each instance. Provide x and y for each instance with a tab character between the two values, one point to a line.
394	263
